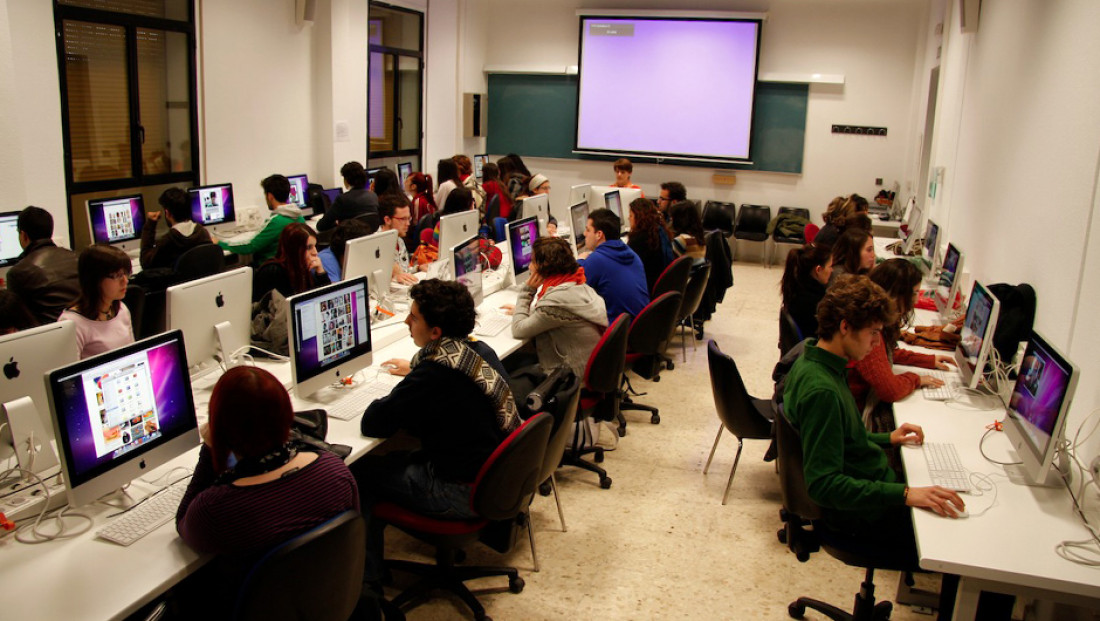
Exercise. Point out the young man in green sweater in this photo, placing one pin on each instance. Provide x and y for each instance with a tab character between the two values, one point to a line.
845	465
264	245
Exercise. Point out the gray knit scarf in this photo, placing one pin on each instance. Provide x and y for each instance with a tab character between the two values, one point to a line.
455	354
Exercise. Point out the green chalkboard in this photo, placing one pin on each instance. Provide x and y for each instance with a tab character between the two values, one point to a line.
536	115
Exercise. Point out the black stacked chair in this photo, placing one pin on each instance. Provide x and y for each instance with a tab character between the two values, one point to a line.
798	239
719	216
752	226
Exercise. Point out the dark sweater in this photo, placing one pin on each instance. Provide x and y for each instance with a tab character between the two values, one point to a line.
654	258
350	204
232	519
803	308
453	419
45	279
273	275
845	465
617	274
163	251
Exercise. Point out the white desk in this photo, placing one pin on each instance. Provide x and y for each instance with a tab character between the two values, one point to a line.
87	578
1010	547
885	228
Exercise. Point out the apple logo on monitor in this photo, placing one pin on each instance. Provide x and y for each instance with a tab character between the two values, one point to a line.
219	300
11	369
377	253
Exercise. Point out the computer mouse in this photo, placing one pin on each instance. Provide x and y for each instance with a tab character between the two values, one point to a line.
959	513
389	366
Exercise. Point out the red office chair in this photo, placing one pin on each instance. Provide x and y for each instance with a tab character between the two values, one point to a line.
649	334
502	491
673	278
810	232
600	395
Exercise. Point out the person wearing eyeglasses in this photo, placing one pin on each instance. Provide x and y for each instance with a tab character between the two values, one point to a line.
397	217
672	192
102	319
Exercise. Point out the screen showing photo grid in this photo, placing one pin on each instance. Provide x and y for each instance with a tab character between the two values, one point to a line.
116	220
331	327
212	205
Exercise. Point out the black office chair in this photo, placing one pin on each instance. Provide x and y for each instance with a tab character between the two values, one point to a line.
693	297
752	226
789	332
502	491
649	334
797	239
719	216
742	414
674	277
199	262
317	575
135	302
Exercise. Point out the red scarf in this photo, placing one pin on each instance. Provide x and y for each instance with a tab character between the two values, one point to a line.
554	281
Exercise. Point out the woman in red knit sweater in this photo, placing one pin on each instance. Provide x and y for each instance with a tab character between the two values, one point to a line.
875	373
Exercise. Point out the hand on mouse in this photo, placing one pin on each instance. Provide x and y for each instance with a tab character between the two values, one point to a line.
907	433
397	366
508	309
936	498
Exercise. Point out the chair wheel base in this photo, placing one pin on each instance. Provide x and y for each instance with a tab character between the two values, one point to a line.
655	419
545	489
621	430
515	585
605	482
796	610
670	365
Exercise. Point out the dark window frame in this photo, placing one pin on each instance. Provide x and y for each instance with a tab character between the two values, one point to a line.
395	53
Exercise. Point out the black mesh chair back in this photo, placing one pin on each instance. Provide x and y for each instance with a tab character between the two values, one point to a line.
316	575
200	262
673	278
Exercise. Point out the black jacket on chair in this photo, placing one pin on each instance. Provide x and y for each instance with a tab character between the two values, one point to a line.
45	279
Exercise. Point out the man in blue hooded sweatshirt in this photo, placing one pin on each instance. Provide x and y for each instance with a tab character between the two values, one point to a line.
611	267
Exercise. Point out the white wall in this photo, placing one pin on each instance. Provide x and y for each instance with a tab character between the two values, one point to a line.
874	44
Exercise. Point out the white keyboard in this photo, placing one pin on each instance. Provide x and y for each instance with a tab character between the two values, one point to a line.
951	384
145	517
944	466
491	323
357	400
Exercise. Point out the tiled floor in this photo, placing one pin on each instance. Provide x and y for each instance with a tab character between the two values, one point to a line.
659	544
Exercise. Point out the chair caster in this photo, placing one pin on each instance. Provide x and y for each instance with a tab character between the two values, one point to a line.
656	378
598	457
670	365
621	431
781	534
545	489
655	419
796	610
605	482
515	585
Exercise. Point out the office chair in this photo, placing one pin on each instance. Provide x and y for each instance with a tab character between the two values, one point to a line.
693	297
199	262
600	396
742	414
492	208
501	492
673	278
800	511
316	575
649	334
798	239
810	232
135	301
371	219
560	395
500	228
752	226
719	216
789	332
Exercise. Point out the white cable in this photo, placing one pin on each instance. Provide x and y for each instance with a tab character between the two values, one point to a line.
35	536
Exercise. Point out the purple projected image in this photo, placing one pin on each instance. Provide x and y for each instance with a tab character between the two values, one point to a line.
115	220
623	59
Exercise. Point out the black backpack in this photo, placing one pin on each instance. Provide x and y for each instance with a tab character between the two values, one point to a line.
1016	319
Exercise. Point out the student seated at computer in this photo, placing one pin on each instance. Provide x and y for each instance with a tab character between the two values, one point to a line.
458	201
469	181
537	184
672	192
395	217
853	253
454	399
624	168
446	175
874	374
649	239
563	315
183	232
612	268
356	200
295	268
493	186
102	319
687	227
332	258
264	245
837	216
386	183
14	315
802	286
419	186
45	277
513	174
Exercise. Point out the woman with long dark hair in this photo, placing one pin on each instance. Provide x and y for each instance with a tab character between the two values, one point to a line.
448	178
491	183
853	253
649	239
419	186
687	226
805	275
296	266
102	320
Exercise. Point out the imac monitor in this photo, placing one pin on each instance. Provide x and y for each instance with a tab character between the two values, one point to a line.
537	206
480	160
948	284
467	262
976	337
456	227
613	201
404	169
578	219
329	331
117	221
212	204
579	193
120	414
214	314
521	239
299	190
1037	411
9	239
909	231
928	254
371	173
332	194
372	256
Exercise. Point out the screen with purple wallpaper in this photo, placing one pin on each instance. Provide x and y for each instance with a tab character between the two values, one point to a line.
675	87
1042	388
118	406
329	325
118	219
212	204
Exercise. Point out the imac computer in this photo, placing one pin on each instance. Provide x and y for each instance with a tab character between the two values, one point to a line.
454	228
404	169
299	190
371	174
579	193
947	286
467	261
372	256
537	206
120	414
26	357
629	195
908	231
332	194
213	204
117	221
9	238
578	219
329	331
930	252
613	201
521	239
1037	409
976	337
480	160
215	316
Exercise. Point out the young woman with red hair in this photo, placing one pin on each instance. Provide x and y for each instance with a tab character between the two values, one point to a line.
296	266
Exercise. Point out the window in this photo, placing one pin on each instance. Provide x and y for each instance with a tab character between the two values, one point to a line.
395	75
127	71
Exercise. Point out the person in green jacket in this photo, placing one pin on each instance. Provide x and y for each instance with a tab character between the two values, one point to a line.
846	468
263	246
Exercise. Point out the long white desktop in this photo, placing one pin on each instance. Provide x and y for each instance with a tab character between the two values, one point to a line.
1007	545
87	578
